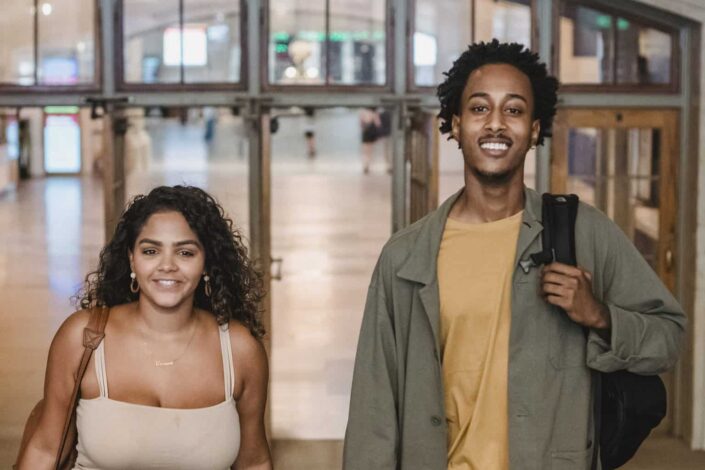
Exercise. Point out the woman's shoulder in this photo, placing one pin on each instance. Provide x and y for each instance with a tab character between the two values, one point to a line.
68	340
71	330
247	349
73	326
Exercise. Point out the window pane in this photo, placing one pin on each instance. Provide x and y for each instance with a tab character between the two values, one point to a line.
506	20
643	54
152	45
357	42
439	38
297	51
617	171
212	41
17	42
67	42
586	41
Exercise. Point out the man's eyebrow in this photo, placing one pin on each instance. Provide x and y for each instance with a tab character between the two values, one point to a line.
481	94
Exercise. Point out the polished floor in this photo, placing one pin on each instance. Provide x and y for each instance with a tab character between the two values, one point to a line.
329	224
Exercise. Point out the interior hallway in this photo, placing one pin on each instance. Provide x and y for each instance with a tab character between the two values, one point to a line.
53	232
329	224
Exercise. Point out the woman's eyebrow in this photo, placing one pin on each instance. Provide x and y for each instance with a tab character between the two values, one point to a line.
149	241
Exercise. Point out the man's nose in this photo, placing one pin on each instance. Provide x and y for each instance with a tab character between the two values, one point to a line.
495	121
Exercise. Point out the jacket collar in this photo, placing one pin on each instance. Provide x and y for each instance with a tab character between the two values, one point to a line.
420	266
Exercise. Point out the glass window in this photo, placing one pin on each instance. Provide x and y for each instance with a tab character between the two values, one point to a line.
439	38
597	47
151	37
212	49
297	45
505	20
617	171
65	50
66	54
340	42
17	42
162	47
643	54
357	42
587	42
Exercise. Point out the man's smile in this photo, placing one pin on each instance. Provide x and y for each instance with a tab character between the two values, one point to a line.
495	146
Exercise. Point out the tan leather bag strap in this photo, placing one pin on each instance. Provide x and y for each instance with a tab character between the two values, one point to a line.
93	334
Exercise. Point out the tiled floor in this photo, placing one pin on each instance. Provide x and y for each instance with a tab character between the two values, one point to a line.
329	224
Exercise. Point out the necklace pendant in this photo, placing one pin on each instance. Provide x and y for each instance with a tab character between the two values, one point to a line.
163	363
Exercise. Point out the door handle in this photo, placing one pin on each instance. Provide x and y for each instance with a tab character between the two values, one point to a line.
276	273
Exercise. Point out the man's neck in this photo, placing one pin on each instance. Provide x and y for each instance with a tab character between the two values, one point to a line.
482	203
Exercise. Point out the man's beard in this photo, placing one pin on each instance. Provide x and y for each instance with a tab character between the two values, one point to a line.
494	179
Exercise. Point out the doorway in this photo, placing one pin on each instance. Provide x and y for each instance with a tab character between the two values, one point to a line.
330	217
624	162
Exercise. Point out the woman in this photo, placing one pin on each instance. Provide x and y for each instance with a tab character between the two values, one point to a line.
180	380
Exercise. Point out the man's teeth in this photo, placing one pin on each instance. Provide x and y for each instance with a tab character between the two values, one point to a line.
494	146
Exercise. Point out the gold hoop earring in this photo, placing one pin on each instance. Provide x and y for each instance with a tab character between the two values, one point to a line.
134	284
207	285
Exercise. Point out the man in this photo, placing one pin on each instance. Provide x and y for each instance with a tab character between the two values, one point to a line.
465	360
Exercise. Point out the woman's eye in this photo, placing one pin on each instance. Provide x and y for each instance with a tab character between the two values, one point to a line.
185	253
149	251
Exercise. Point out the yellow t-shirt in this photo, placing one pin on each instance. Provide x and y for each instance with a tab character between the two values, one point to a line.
475	267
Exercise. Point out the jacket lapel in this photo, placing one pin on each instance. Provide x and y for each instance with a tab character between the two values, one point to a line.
420	266
531	226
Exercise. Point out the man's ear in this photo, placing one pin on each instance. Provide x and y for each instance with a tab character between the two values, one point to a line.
455	127
535	131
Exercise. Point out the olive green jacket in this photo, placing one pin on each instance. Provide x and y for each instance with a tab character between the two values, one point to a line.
397	418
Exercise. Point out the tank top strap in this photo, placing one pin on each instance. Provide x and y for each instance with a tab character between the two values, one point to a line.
226	351
99	359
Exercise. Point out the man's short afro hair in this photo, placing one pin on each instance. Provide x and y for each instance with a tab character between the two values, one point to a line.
543	85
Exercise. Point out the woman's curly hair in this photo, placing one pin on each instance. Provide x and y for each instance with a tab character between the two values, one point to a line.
543	85
236	285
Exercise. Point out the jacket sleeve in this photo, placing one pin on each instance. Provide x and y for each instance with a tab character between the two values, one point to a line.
647	322
372	435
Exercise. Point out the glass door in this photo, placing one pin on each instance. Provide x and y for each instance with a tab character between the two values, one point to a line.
624	162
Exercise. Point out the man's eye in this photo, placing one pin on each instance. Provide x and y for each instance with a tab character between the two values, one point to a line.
514	110
478	108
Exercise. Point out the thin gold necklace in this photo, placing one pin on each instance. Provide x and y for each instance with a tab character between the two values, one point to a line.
159	363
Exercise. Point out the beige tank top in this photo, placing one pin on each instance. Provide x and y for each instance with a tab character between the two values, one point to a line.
119	435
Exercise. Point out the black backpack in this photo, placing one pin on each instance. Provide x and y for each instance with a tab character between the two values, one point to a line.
627	405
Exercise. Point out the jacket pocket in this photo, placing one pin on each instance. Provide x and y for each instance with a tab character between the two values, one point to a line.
571	460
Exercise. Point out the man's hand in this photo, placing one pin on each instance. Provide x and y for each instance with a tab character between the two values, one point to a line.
570	288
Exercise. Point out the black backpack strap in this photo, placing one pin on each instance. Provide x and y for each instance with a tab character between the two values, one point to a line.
558	215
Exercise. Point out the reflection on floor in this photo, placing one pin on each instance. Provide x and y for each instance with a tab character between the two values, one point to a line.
329	224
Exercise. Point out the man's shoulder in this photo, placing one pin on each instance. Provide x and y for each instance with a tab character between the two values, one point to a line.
592	220
402	242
